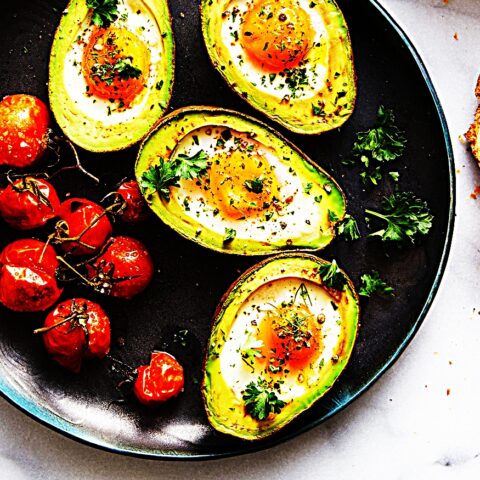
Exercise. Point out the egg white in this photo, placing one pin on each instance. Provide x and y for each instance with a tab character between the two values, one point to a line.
238	374
144	26
298	217
316	73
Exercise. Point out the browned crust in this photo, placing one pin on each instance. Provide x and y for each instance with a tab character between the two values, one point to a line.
473	131
472	135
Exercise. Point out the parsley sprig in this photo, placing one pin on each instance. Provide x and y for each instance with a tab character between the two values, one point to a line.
260	401
374	284
104	12
384	142
348	228
332	277
408	218
159	178
381	144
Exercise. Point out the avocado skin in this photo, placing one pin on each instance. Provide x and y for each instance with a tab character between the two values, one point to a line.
182	121
92	134
217	397
296	115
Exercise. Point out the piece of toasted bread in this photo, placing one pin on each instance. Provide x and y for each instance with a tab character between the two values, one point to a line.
473	134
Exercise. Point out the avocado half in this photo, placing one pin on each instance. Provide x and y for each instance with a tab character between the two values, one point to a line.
322	202
227	370
332	95
97	129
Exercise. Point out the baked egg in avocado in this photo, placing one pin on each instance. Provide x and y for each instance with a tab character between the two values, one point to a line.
292	60
233	184
111	71
281	336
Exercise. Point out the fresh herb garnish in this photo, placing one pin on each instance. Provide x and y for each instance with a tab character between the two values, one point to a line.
255	185
104	12
408	218
394	176
230	234
192	167
123	69
303	292
296	79
374	284
332	277
260	401
384	142
318	110
159	178
348	228
373	177
332	216
307	187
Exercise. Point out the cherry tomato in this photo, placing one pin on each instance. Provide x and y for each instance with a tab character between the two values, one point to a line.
74	331
24	121
27	278
159	381
136	210
124	270
28	252
84	226
29	203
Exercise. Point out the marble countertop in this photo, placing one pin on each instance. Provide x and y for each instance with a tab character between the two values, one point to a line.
421	419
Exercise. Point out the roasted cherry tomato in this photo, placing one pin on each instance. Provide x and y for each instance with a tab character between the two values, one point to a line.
83	228
24	121
28	252
124	270
29	203
159	381
74	331
136	208
27	276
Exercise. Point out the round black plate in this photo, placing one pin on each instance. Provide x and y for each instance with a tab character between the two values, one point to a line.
191	279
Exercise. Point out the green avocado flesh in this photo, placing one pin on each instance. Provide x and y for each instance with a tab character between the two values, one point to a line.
240	350
142	37
313	96
259	194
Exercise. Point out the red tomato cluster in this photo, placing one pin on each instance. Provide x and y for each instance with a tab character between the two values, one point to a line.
76	329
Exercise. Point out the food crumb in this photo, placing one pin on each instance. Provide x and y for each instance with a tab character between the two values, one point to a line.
448	392
455	35
476	192
445	2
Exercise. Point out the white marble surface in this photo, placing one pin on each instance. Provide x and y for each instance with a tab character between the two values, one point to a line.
406	426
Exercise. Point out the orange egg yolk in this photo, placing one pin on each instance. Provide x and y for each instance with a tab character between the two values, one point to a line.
242	184
277	34
291	338
115	65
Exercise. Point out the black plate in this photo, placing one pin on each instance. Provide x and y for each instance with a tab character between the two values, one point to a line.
191	279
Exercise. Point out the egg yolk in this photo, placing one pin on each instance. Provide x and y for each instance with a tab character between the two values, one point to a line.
242	184
277	34
115	63
290	337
